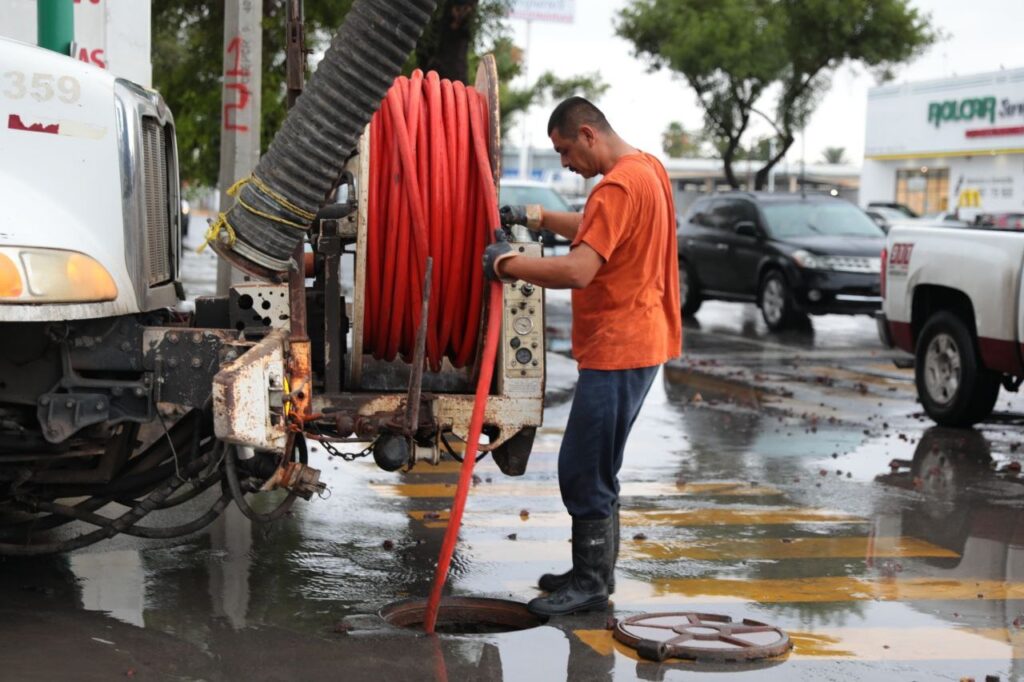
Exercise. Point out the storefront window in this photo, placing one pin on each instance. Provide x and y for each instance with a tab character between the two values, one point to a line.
924	190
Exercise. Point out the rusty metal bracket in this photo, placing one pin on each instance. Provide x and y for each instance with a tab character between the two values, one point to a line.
248	397
700	636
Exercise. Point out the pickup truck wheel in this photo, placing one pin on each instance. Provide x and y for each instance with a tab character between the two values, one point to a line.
954	388
775	301
689	293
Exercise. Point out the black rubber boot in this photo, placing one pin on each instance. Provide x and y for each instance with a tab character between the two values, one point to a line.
549	582
587	587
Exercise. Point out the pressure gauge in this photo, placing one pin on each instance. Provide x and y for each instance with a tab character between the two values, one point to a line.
523	356
523	325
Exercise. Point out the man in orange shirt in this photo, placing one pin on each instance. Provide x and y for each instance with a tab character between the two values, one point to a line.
623	270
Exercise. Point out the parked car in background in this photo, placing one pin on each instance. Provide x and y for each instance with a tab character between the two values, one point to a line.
894	206
793	255
186	216
577	203
953	299
1004	221
512	191
886	216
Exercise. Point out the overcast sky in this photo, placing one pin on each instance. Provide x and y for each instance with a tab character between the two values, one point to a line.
982	35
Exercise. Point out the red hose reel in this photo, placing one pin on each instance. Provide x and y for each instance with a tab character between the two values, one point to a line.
431	193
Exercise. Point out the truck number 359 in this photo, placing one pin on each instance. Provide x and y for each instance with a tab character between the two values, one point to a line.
41	87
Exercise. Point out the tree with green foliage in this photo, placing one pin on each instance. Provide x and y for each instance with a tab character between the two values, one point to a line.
678	143
188	37
736	54
833	154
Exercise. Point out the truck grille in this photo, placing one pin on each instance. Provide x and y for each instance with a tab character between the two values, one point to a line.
157	203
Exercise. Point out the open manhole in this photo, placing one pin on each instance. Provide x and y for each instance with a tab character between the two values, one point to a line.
463	615
701	637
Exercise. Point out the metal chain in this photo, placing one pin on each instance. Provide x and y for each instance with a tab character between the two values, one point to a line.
347	456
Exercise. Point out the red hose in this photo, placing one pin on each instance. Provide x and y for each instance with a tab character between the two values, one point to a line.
451	533
432	194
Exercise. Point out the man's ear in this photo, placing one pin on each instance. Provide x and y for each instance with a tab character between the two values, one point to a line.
589	134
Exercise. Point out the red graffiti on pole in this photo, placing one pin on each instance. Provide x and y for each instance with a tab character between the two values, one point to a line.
236	72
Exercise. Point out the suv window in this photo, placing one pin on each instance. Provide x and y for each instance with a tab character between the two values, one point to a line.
698	212
727	212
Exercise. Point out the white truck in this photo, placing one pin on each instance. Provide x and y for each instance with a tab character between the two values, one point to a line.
114	399
952	297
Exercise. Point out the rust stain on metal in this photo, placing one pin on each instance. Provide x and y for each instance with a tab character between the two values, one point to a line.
248	394
300	376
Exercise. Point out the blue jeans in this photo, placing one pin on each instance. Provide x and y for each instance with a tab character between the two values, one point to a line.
604	407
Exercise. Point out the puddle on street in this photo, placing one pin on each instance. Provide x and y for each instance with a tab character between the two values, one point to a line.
751	489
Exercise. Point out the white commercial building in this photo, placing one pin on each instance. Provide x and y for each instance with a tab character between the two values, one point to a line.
949	145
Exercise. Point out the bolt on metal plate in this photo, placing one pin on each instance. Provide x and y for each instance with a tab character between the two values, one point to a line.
701	637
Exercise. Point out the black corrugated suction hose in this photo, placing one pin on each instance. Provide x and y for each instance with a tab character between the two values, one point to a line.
305	159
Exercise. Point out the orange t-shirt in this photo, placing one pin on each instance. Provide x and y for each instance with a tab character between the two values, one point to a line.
628	316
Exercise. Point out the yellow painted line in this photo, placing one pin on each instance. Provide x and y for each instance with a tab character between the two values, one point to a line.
824	589
776	548
939	155
734	517
723	550
550	489
869	644
484	468
678	518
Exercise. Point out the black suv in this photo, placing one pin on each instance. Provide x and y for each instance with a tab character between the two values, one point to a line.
791	254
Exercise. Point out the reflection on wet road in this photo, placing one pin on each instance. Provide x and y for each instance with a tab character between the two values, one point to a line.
787	478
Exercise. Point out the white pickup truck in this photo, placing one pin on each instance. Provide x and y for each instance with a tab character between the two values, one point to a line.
952	297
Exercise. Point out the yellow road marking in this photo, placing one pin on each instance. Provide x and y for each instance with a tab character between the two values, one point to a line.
824	589
776	548
869	644
679	518
550	489
484	468
723	549
734	517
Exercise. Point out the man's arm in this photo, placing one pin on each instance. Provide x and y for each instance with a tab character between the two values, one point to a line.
563	223
572	271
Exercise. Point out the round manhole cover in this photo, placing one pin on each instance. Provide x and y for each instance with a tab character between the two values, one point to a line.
463	615
700	636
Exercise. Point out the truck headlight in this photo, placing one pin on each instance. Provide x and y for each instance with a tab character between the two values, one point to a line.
29	275
810	261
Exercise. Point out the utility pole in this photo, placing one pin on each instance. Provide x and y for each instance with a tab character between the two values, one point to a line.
240	113
295	52
56	25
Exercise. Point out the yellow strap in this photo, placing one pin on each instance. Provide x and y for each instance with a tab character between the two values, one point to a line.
221	224
263	187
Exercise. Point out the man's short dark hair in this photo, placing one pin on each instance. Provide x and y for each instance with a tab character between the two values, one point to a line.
574	112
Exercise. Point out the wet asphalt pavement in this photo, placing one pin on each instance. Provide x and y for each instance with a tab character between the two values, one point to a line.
787	478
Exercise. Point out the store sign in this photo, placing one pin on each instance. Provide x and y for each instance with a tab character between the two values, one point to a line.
969	109
973	109
544	10
90	44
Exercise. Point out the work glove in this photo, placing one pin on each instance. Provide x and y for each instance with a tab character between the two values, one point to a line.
529	215
497	251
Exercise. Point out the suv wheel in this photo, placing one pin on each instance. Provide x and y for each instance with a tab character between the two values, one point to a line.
689	293
775	301
954	388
